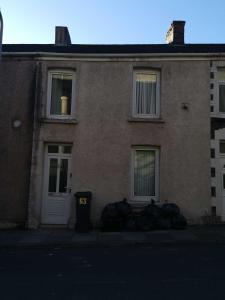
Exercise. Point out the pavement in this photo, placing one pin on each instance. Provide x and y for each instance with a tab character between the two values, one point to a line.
45	237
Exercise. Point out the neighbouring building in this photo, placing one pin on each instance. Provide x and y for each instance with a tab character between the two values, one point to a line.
139	122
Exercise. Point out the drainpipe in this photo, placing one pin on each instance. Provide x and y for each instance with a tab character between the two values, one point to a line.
1	34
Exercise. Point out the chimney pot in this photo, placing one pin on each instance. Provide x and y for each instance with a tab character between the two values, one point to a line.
175	33
62	36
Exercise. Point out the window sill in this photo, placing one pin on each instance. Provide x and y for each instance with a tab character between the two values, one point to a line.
217	115
146	120
59	121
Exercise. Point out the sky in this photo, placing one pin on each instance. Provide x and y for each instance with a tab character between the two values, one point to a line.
112	21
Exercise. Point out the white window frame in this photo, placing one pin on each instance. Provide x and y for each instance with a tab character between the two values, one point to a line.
140	199
49	94
134	110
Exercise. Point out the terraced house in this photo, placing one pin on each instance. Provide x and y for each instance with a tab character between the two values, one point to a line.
139	122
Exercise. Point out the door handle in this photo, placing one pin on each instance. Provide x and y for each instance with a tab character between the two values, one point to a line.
68	189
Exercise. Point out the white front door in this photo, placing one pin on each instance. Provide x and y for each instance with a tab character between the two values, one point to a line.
57	185
222	168
223	191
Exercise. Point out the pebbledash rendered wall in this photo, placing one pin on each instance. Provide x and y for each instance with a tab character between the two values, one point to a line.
17	90
104	133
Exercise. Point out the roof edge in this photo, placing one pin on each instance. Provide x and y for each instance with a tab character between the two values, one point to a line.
114	55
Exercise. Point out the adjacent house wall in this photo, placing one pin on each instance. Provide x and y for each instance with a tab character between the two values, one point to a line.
17	85
217	136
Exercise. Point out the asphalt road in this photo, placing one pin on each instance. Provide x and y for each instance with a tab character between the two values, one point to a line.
137	272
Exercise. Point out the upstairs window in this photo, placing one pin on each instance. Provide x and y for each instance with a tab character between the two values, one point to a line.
221	83
146	94
60	94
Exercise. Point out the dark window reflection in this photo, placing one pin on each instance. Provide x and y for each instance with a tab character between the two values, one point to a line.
63	176
52	175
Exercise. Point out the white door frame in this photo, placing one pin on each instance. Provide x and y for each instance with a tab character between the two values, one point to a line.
50	201
222	180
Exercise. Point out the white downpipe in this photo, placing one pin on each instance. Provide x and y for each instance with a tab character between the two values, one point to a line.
1	34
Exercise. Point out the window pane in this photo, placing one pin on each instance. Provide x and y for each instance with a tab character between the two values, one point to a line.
146	77
67	149
224	181
63	176
144	173
145	93
221	75
222	98
53	149
222	147
61	94
212	153
52	175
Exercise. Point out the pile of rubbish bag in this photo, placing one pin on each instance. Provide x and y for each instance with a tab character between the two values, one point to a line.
119	216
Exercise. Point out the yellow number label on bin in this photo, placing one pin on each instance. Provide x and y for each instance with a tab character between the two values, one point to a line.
83	201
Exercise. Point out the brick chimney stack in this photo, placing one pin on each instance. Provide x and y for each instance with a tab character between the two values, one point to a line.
175	34
62	36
